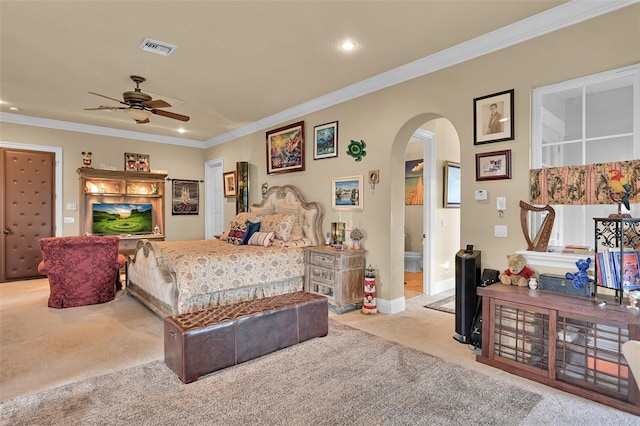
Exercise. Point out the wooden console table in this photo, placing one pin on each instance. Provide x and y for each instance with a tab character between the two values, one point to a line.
567	342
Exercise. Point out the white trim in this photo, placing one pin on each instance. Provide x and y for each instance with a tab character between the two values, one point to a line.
552	260
559	17
391	306
445	285
58	172
213	196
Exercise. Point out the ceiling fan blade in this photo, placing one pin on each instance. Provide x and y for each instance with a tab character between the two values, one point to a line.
170	115
145	121
158	103
113	99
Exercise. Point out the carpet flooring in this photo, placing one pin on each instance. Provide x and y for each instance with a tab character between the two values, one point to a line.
448	304
348	377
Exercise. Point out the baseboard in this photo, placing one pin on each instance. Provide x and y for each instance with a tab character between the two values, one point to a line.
391	306
444	285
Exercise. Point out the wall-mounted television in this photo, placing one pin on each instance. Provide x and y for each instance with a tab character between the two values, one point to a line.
121	218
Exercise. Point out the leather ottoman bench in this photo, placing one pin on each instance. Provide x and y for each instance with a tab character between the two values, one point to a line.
199	343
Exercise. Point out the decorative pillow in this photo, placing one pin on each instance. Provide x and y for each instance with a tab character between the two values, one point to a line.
262	211
252	228
242	218
236	233
224	236
264	239
279	224
293	209
301	242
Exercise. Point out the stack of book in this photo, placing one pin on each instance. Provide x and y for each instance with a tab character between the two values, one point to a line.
618	270
569	249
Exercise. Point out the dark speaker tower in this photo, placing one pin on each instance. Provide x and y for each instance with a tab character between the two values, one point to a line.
467	279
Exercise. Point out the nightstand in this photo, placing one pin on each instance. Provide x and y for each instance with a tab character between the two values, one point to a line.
337	275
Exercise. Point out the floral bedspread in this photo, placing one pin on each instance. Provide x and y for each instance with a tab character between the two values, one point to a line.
210	266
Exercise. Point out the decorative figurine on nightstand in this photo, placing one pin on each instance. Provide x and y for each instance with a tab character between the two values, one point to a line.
369	304
86	159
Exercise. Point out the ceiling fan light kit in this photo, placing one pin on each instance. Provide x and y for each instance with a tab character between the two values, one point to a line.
139	105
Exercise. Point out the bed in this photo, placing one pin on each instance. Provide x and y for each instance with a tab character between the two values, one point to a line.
175	277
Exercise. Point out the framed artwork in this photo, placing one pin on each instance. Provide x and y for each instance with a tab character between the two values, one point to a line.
185	199
493	118
136	162
346	193
229	184
493	165
285	149
413	182
451	184
325	141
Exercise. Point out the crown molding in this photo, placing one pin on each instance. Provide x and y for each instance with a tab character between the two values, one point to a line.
6	117
559	17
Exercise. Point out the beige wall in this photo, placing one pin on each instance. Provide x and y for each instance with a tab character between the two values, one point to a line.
386	119
181	163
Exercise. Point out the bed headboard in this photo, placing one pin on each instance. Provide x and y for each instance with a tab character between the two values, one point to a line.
311	212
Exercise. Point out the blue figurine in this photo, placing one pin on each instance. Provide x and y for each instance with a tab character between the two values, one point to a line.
581	277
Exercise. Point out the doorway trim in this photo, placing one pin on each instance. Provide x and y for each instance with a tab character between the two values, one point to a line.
213	198
428	212
58	172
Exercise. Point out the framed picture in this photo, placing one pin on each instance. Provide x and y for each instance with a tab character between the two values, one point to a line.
325	141
285	149
136	162
493	165
413	182
493	118
346	193
229	184
451	184
185	197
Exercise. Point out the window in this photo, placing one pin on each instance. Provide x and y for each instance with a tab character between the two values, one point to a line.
593	119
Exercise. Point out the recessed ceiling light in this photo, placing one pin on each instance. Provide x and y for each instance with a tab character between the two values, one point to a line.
347	45
181	130
14	108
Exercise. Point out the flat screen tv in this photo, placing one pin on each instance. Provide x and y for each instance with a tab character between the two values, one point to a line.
121	218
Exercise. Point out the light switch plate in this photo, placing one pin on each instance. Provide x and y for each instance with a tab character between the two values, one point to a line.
501	203
500	231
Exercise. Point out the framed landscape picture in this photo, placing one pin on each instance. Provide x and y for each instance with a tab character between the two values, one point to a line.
325	141
346	193
285	149
493	118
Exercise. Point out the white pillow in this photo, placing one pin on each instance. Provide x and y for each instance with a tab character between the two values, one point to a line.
293	209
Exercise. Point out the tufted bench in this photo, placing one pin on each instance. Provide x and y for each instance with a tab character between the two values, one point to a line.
199	343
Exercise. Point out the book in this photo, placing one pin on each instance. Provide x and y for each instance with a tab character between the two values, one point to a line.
572	249
607	268
627	266
600	270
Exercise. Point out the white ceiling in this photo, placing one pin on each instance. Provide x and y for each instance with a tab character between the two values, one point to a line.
240	66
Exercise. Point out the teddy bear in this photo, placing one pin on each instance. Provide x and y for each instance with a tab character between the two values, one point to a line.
86	159
517	273
581	277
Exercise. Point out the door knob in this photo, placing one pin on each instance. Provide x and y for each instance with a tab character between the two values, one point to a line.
7	232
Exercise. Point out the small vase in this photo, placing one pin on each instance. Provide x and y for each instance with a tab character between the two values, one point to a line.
356	244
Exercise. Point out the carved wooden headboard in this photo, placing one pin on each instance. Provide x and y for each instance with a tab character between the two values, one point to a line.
311	212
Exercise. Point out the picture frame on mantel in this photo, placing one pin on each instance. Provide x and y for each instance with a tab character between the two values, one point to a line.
493	118
285	149
493	165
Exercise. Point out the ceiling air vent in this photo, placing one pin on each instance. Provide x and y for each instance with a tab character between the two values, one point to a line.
157	47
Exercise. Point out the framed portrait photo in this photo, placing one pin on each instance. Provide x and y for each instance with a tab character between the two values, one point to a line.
493	118
346	193
493	165
285	149
230	184
325	141
451	184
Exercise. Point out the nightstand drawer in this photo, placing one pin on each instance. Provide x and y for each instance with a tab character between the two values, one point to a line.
327	260
323	275
321	288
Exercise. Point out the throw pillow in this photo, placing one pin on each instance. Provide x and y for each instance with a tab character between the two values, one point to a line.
293	209
279	224
264	239
252	228
236	233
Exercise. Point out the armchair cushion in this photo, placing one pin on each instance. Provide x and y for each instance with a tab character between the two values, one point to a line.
82	270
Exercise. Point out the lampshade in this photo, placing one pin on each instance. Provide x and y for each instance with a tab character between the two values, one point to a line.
138	114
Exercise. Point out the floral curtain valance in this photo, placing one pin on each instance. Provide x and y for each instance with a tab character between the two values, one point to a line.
576	185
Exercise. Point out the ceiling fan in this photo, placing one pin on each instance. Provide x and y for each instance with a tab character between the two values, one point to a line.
139	105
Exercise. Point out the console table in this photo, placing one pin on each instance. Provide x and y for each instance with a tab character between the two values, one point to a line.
567	342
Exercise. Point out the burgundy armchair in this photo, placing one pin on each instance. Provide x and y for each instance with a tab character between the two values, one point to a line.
81	270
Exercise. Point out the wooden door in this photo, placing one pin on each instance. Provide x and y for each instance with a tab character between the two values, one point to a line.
28	209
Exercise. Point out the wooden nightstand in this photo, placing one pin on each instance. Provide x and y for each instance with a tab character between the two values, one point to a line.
337	275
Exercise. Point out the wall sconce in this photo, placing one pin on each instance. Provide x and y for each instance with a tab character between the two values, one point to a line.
374	178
